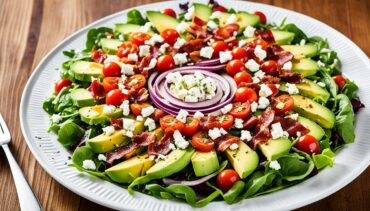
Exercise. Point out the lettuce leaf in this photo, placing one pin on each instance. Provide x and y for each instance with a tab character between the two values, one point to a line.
344	118
326	158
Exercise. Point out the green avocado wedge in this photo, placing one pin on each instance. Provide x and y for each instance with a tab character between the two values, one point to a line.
205	163
202	11
275	148
174	162
305	67
315	130
300	51
161	21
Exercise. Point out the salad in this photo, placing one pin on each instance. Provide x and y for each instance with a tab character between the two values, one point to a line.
202	105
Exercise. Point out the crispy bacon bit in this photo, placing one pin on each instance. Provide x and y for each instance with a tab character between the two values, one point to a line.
195	56
98	56
121	153
209	122
290	77
143	63
250	123
192	45
262	130
198	28
97	90
291	126
144	139
278	54
266	35
117	123
140	96
163	145
226	32
158	113
225	141
270	79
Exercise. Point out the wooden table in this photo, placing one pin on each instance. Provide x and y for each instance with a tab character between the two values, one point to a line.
31	28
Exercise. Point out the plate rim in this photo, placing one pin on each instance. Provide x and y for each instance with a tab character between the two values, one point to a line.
37	71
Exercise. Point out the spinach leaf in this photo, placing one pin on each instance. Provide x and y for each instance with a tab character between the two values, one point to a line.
326	158
294	168
70	133
329	82
257	181
48	105
81	154
94	35
135	17
77	56
344	119
350	89
233	193
328	58
94	173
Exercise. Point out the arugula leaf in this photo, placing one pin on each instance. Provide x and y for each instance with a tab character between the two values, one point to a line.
350	89
135	17
70	133
257	181
231	195
344	119
94	35
329	82
71	53
48	105
77	56
326	158
328	57
294	168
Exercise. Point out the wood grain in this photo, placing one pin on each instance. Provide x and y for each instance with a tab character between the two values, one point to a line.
29	29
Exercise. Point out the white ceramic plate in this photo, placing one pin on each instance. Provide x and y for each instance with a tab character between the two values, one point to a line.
350	161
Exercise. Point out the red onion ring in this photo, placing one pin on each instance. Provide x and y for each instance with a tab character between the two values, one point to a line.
199	181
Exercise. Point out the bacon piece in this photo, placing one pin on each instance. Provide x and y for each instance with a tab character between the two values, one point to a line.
195	56
144	139
192	45
117	123
163	145
290	77
98	56
266	35
250	123
291	126
121	152
225	141
158	114
278	54
209	122
140	96
144	63
262	130
97	90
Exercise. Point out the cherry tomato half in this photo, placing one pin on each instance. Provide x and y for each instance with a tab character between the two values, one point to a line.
136	107
111	69
136	82
270	67
226	179
340	81
226	121
202	142
283	104
240	53
191	126
115	97
170	36
235	66
219	46
308	144
165	62
139	38
61	84
169	121
262	16
242	76
226	31
126	48
170	12
110	83
244	94
241	110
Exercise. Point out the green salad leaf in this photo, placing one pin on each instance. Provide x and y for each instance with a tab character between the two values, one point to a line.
329	82
344	118
94	35
82	153
69	133
291	27
231	195
350	89
326	158
135	17
293	167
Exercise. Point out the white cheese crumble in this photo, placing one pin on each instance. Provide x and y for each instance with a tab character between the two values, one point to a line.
263	102
321	84
190	14
260	74
156	38
254	106
172	146
179	43
252	65
191	99
276	130
125	106
88	164
265	91
181	116
146	27
140	118
259	52
147	111
129	134
242	43
180	58
249	31
225	56
152	157
152	64
132	57
299	134
291	88
109	109
214	133
150	123
179	140
238	123
275	165
287	66
320	64
182	27
163	48
293	116
245	135
56	118
144	50
160	157
227	108
212	25
198	115
206	52
234	146
231	19
223	131
302	42
215	15
129	124
111	58
127	69
109	130
173	77
102	157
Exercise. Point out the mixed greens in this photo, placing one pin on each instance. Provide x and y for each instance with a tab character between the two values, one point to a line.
205	105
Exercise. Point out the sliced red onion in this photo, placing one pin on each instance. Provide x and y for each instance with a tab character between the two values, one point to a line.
199	181
195	67
210	62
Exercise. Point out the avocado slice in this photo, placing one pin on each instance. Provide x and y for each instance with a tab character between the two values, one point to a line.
300	51
128	28
202	11
305	67
128	170
205	163
104	143
93	115
244	160
82	97
283	37
83	70
315	130
162	21
244	19
110	46
274	148
314	111
312	90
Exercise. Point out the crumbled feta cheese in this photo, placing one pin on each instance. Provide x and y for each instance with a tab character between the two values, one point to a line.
144	50
140	118
132	57
152	157
227	108
231	19
190	14
147	111
152	64
160	157
225	56
235	33
102	157
56	118
298	134
182	27
150	123
254	106
214	133
223	131
275	165
108	109
292	88
256	80
189	81
263	102
125	106
321	84
320	64
172	146
249	31
127	69
245	135
302	42
181	116
209	85
287	66
191	99
293	116
88	164
156	38
173	77
195	92
211	41
259	52
111	58
215	15
179	43
238	123
146	27
198	115
252	65
234	146
242	43
129	134
163	48
180	58
276	130
109	130
206	52
265	91
212	25
129	124
260	74
120	37
179	140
